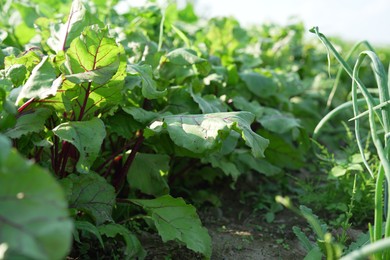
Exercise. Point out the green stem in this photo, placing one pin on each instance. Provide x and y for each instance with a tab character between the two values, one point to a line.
160	37
378	215
368	250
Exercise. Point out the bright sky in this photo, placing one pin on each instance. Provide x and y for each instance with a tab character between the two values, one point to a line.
354	20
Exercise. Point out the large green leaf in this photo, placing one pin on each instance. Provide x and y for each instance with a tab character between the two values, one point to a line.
133	249
34	222
147	171
29	123
42	82
86	136
79	18
201	133
176	220
96	64
93	50
99	76
91	194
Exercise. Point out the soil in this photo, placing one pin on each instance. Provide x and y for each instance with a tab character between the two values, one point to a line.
237	232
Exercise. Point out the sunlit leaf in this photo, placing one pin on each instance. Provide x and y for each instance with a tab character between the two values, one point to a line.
79	18
42	82
99	76
94	49
201	133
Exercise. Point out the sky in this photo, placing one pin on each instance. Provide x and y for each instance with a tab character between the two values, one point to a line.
353	20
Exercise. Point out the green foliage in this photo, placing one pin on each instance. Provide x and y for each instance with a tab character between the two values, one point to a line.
90	194
201	133
133	247
148	173
34	218
86	136
120	108
174	219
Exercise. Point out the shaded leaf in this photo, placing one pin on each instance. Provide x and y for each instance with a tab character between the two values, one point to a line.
147	171
5	143
260	85
314	253
121	124
209	103
305	242
87	227
259	165
86	136
176	220
134	248
254	107
278	122
29	123
91	194
181	64
185	57
141	115
149	86
229	168
33	224
282	153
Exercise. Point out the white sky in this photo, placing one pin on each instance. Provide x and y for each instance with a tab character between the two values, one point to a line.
354	20
351	19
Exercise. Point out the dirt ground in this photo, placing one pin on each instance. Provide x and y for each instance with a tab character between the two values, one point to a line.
237	232
250	239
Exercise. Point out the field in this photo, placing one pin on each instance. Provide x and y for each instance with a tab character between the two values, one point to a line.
158	134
